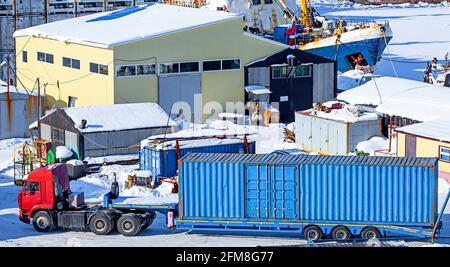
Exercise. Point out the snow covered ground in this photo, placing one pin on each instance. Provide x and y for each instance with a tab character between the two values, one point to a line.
420	33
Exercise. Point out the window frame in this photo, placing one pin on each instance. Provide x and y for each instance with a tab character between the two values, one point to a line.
46	57
285	68
25	56
220	63
303	76
28	186
136	66
168	73
98	68
59	138
188	62
446	153
71	61
229	59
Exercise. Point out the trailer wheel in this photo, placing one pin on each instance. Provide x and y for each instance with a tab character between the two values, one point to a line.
370	233
341	233
313	233
100	225
129	225
42	221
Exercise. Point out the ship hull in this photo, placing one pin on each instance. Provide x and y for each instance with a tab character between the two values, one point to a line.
369	42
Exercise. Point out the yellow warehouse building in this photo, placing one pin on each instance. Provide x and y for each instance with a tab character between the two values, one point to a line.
151	53
427	139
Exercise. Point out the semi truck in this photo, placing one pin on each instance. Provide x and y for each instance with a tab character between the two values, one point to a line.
315	197
44	201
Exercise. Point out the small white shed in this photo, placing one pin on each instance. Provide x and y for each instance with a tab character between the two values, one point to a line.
334	133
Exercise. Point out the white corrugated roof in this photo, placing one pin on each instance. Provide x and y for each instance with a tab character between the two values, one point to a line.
106	118
436	129
401	97
108	29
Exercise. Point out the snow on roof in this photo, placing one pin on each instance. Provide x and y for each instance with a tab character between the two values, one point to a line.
109	29
13	89
435	129
257	89
106	118
401	97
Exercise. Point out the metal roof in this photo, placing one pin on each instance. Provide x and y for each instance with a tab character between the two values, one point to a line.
309	159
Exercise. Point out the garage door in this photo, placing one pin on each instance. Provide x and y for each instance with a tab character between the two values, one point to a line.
175	88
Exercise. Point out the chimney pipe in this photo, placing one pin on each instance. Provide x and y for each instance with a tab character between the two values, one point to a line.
83	124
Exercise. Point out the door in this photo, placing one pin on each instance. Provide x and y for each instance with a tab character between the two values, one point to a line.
272	192
175	88
31	195
410	146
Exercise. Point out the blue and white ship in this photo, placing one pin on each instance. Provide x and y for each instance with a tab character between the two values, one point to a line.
350	43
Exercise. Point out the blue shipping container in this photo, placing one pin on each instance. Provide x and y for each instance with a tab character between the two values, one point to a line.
308	189
160	159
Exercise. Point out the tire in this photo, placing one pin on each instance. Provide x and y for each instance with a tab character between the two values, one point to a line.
313	233
42	221
341	233
129	225
100	224
370	232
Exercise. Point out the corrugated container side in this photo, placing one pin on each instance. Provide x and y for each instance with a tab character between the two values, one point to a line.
163	162
369	194
213	190
331	189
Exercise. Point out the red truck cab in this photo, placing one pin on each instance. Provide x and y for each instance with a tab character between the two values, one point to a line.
43	190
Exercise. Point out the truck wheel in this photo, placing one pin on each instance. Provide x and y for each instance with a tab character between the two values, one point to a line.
129	225
313	233
341	233
370	233
42	221
100	224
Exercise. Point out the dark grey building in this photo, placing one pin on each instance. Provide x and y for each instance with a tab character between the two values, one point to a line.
295	79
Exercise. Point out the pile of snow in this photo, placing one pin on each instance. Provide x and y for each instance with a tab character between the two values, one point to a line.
96	185
63	152
105	118
443	188
160	195
373	144
75	162
349	79
435	129
111	158
400	97
347	113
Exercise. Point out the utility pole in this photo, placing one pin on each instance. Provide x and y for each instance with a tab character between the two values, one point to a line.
8	79
46	11
39	107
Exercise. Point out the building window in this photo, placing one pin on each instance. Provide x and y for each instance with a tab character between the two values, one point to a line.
303	71
98	68
279	72
71	102
212	65
256	2
231	64
129	70
169	68
24	56
71	63
43	57
146	69
268	2
189	67
58	135
444	154
135	70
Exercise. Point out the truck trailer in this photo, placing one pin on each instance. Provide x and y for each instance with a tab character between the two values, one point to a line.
315	197
342	197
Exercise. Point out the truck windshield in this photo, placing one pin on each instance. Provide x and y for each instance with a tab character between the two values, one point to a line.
32	187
